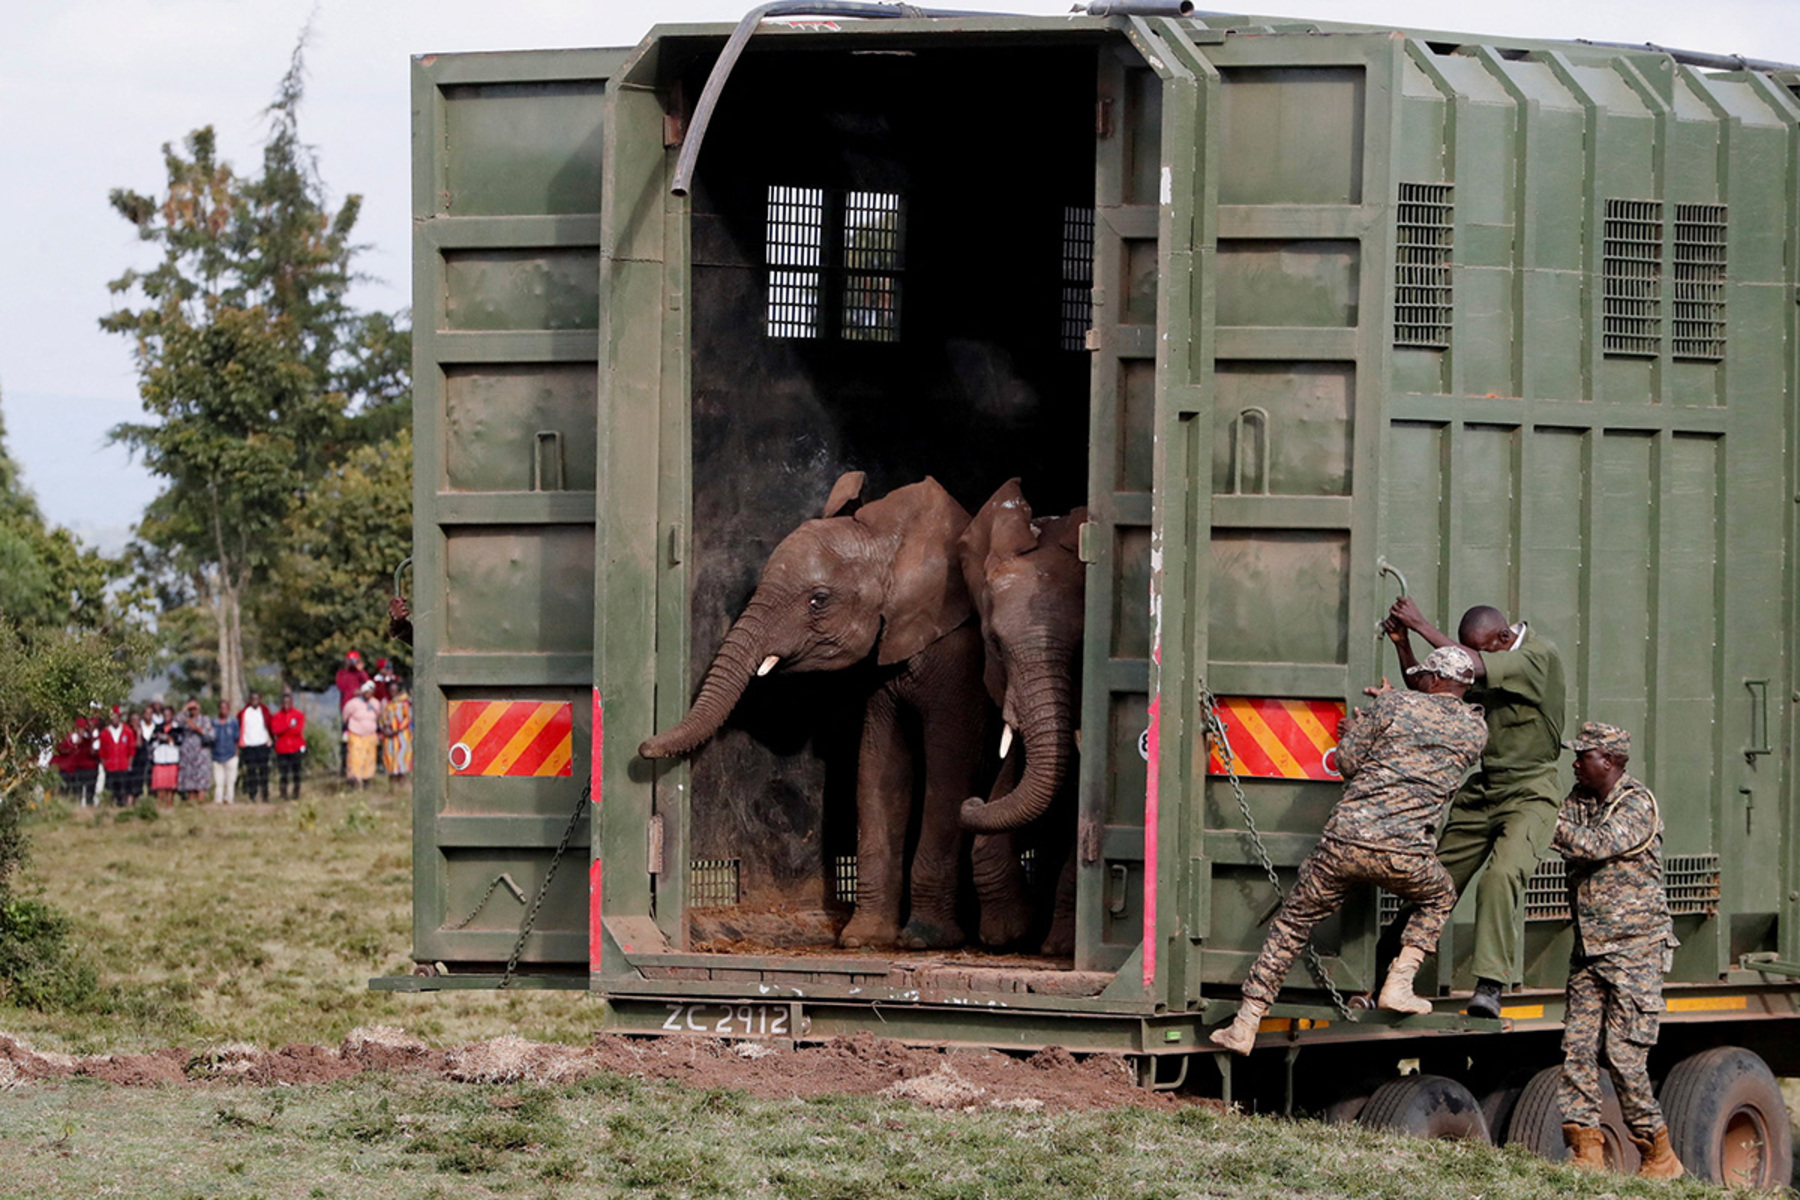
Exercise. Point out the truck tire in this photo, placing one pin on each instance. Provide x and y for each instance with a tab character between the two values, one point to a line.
1727	1122
1429	1106
1537	1123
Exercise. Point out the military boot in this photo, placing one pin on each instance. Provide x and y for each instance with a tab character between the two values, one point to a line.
1397	992
1486	1000
1585	1147
1659	1157
1240	1035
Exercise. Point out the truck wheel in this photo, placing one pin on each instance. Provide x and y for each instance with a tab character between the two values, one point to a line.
1498	1103
1727	1122
1537	1123
1428	1106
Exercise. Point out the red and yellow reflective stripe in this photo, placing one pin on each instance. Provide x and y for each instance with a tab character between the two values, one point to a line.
512	738
1280	739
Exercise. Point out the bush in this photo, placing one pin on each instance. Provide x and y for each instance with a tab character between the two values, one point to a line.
37	968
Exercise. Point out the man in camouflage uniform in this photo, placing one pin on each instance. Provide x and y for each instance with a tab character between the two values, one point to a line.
1400	760
1610	832
1503	815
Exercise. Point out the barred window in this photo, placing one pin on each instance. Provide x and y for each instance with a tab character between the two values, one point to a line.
1077	278
1424	228
835	262
794	244
1699	324
1631	268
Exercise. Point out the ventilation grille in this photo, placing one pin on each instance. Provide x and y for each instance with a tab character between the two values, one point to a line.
794	241
843	878
1699	329
1632	269
1423	229
1691	882
1077	278
872	263
1547	892
713	883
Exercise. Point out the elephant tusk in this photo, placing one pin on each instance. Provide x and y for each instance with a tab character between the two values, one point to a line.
1006	739
768	664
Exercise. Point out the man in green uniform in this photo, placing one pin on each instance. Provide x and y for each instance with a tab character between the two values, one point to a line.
1610	832
1503	816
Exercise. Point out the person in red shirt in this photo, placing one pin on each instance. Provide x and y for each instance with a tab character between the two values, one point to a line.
118	742
79	761
289	727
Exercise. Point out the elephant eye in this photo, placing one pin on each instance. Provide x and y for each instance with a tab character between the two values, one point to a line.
818	600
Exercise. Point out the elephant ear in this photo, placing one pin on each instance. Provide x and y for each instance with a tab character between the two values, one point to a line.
978	538
926	596
1065	532
846	494
1012	532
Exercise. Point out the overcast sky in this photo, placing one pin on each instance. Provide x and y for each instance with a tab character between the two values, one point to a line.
91	89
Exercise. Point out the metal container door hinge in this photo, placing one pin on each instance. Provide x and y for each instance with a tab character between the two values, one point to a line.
653	852
1085	549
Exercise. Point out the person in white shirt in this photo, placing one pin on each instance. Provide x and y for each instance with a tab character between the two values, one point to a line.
255	745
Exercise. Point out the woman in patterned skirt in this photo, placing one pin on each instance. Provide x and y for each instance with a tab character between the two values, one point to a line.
396	734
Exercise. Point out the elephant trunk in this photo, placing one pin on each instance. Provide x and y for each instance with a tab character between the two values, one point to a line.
730	673
1042	691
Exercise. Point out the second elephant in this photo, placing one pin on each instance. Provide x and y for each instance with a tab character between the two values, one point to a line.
1029	589
880	580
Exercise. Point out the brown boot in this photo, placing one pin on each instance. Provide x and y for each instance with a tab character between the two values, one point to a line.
1240	1035
1585	1147
1659	1157
1397	992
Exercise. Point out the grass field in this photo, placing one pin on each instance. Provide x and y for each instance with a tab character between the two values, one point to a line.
262	925
258	923
394	1136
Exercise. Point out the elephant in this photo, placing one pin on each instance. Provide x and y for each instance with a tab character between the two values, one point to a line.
1028	585
882	581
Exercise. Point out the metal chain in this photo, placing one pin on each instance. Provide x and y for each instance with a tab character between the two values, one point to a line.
480	904
1221	740
512	960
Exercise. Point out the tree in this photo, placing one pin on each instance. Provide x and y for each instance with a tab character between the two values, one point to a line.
255	370
68	641
328	590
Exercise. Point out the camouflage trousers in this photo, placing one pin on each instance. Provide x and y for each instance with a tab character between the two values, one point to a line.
1326	877
1614	1003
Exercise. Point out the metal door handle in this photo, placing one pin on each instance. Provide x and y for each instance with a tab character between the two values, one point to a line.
1240	426
1759	720
547	461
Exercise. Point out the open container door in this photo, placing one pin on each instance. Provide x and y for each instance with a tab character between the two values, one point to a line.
507	225
1150	326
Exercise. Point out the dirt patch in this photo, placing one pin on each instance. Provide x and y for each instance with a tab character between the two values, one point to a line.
955	1078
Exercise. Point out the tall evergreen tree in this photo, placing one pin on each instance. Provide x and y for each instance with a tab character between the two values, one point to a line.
256	372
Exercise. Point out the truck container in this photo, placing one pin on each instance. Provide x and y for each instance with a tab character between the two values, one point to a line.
1282	302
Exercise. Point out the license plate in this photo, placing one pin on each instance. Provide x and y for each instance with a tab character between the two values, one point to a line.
728	1020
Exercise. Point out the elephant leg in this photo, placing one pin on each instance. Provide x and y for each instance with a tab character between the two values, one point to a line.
1060	942
944	687
884	786
999	880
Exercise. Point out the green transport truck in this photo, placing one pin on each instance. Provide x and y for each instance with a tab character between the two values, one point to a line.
1283	303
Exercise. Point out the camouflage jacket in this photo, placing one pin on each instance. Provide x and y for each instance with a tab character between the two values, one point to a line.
1613	845
1400	759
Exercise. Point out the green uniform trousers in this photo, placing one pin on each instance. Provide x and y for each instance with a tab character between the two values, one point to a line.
1505	822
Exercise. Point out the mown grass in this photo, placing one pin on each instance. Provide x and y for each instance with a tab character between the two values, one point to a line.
259	923
263	925
400	1136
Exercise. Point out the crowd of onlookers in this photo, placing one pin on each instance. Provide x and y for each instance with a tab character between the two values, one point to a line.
169	751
